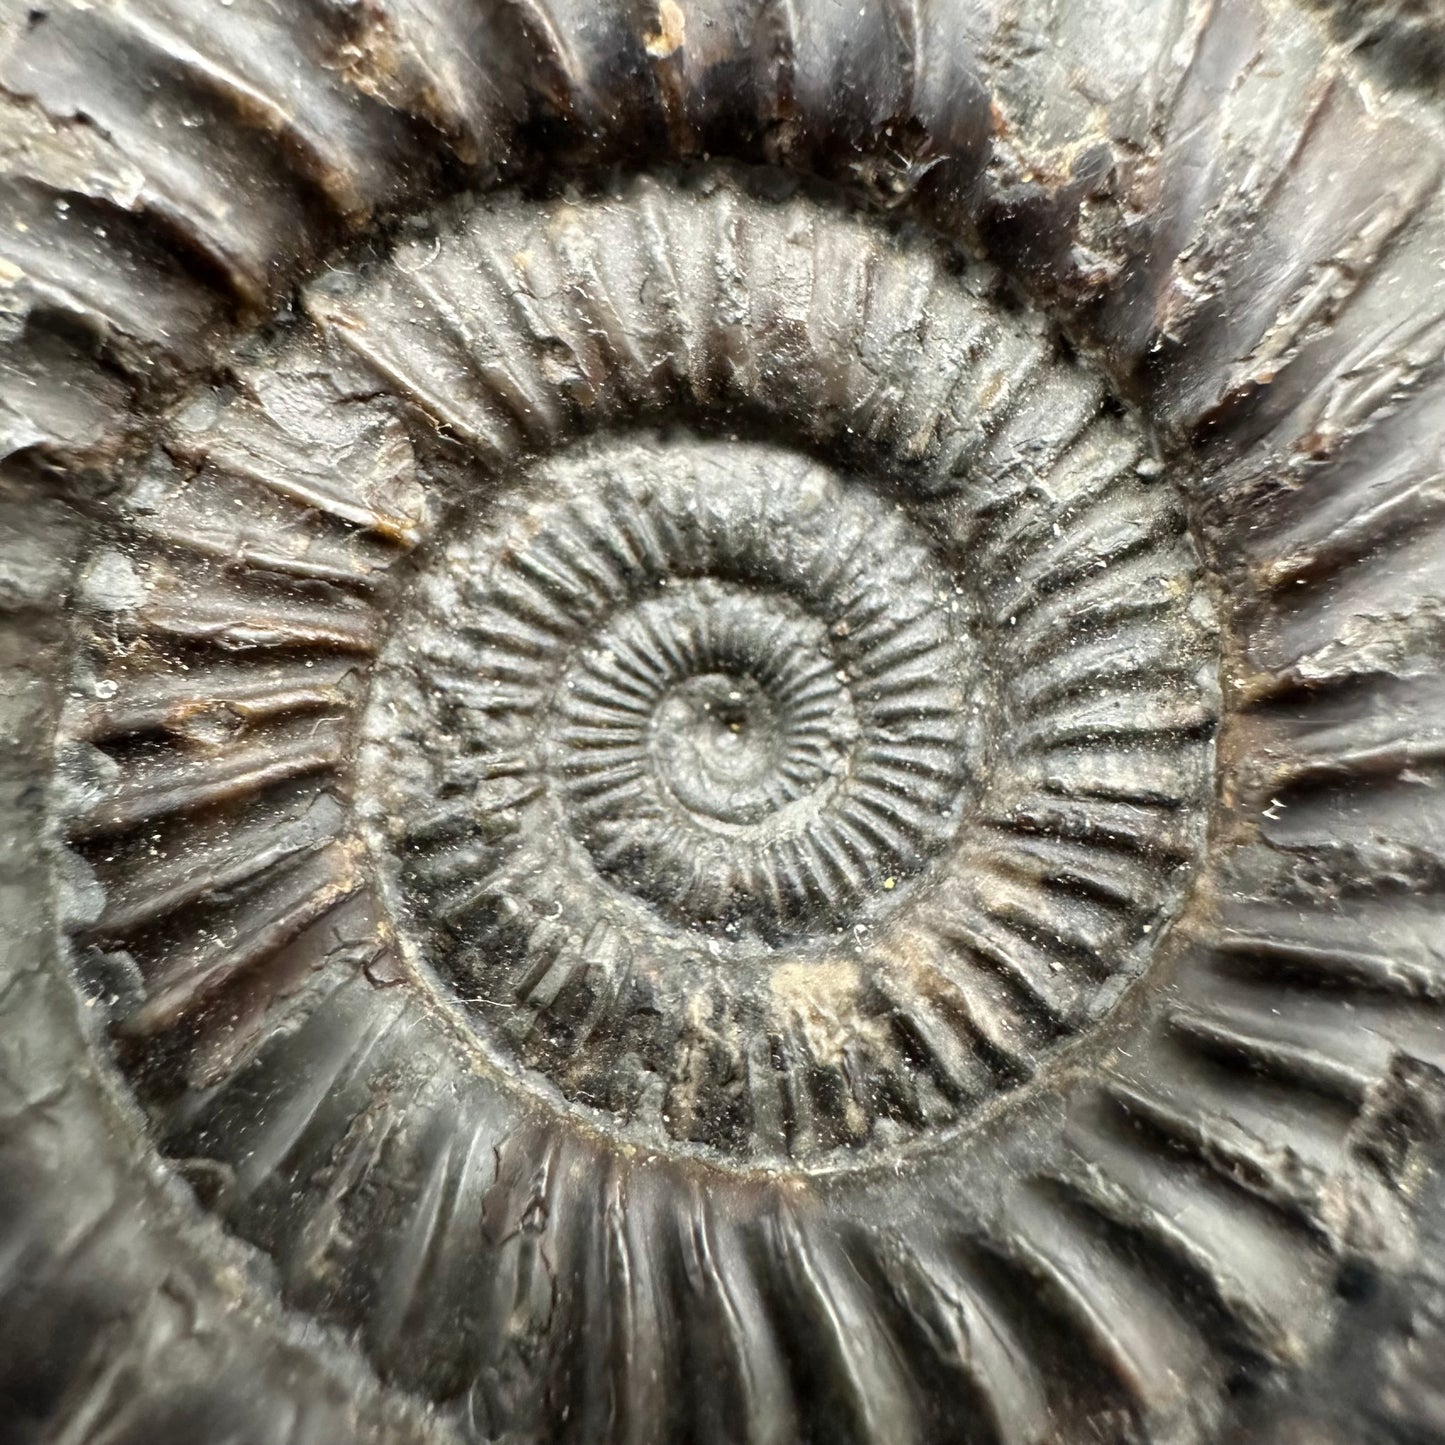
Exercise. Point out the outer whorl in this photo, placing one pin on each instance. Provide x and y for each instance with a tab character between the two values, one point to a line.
739	712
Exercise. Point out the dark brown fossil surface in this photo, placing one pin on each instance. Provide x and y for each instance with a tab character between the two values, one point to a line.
724	722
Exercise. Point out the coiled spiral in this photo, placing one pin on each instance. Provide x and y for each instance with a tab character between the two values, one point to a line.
735	692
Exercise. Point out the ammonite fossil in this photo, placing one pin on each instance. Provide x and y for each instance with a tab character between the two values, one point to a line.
726	722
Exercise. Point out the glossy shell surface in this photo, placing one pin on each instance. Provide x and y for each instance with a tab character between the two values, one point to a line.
728	722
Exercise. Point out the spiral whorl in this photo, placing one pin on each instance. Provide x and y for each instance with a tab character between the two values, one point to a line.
738	675
625	620
753	745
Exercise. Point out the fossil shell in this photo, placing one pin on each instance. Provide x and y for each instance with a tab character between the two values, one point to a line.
729	722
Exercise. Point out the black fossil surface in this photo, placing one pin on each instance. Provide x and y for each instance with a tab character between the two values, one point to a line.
724	722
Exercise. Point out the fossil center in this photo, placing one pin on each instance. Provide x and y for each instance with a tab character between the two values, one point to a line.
721	749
